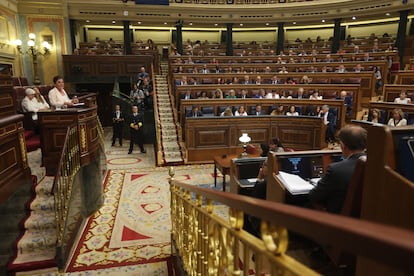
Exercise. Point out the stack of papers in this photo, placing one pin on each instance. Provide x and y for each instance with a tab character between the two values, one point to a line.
247	183
295	184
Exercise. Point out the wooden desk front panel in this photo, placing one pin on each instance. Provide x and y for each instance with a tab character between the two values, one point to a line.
53	132
267	104
14	170
7	97
78	67
404	77
207	137
392	91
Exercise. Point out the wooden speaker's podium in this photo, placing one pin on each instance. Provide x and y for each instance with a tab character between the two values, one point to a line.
53	127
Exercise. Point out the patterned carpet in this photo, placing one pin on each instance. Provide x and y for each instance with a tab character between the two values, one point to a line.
130	234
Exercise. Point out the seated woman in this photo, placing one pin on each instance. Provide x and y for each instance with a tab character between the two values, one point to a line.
375	116
203	96
218	94
315	96
292	111
58	96
276	145
397	118
240	111
231	95
226	113
278	111
403	99
33	103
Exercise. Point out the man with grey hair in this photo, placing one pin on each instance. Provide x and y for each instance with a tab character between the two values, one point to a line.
329	119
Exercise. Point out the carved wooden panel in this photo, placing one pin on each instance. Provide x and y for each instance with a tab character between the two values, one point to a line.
13	158
207	137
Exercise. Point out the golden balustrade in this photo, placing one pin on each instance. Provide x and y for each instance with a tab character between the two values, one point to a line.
100	133
69	165
208	244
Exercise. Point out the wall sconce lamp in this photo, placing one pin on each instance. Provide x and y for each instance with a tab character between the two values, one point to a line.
244	140
34	51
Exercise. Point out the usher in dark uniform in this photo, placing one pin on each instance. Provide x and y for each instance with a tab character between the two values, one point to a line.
117	126
136	119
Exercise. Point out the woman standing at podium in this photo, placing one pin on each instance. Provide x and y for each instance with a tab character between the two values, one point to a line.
58	96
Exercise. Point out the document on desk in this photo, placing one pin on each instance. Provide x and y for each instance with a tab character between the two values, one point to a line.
295	184
247	183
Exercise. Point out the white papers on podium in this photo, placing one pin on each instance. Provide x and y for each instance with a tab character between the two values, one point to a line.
295	184
79	104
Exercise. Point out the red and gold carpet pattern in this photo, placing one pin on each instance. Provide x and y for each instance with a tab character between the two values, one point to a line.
133	227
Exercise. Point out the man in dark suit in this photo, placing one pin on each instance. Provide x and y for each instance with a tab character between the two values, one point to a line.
187	95
136	120
331	190
195	112
258	111
117	125
347	101
329	119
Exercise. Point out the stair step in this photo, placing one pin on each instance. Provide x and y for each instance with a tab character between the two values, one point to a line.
43	203
37	239
41	220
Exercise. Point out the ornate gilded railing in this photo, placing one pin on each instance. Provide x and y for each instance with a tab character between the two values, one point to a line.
100	133
68	167
207	244
159	159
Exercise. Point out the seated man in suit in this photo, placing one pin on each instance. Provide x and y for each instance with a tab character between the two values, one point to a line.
258	111
195	112
347	101
331	190
252	224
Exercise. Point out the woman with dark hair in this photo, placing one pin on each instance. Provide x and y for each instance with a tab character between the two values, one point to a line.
276	145
265	149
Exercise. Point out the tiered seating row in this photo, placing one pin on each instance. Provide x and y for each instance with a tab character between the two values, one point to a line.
366	80
327	91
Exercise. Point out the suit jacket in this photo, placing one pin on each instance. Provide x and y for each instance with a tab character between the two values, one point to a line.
332	188
135	120
190	114
121	118
183	96
261	113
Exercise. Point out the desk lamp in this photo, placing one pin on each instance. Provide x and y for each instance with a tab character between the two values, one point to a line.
244	139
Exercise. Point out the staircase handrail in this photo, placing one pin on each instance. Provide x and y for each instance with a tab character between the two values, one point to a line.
207	243
158	155
68	167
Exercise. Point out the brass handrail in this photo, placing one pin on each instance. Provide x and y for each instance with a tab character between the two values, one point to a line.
209	245
68	167
100	133
158	156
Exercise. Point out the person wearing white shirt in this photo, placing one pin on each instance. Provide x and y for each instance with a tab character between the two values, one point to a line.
58	96
31	104
403	98
292	111
397	118
240	112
